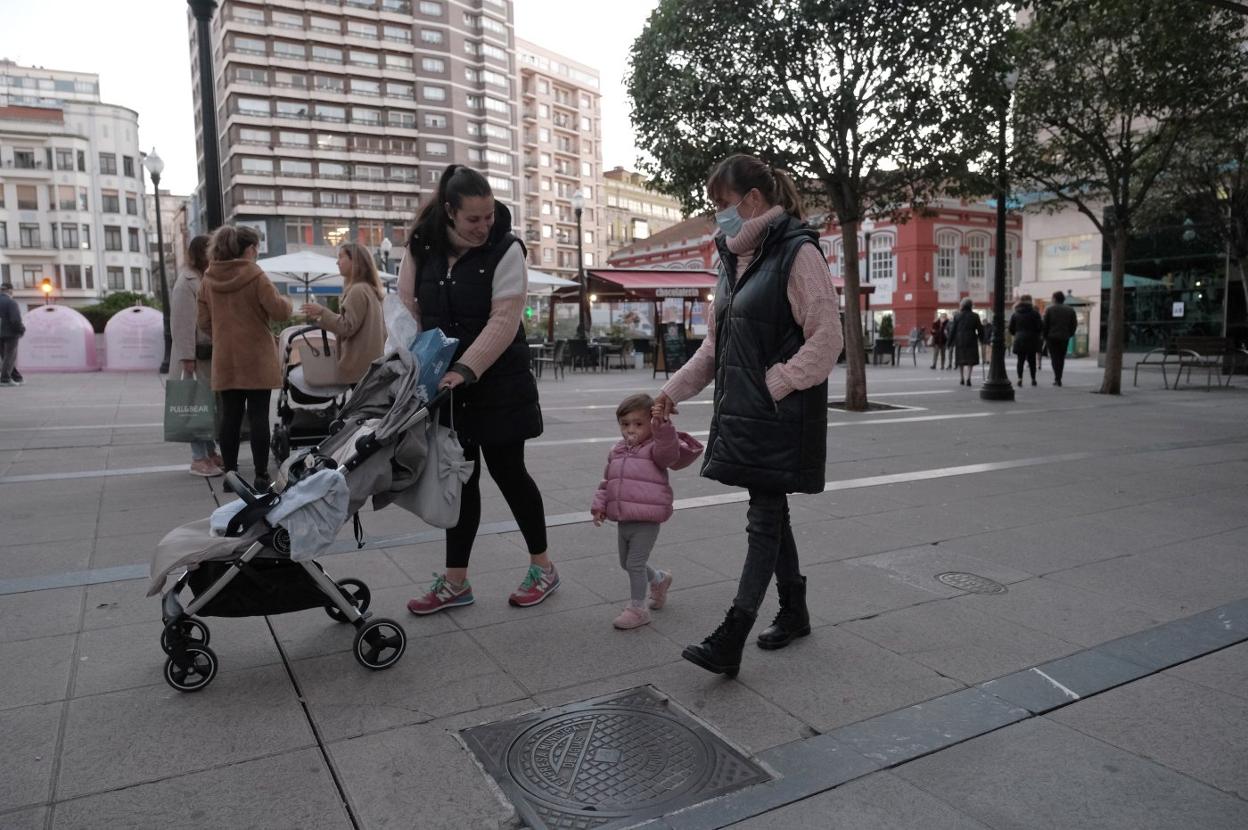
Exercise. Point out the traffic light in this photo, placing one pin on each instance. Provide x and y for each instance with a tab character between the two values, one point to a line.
528	312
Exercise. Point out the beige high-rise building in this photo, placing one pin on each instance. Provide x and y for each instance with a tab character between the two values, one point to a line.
633	211
338	118
562	133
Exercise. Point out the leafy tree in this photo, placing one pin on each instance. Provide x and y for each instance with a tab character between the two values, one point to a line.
1108	94
876	103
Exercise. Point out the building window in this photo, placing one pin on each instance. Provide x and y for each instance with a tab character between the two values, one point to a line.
398	118
324	24
435	148
249	45
287	138
495	105
136	279
882	265
400	90
363	87
433	65
548	255
587	169
431	8
431	36
329	83
433	93
548	231
401	34
331	170
360	29
370	232
115	278
82	161
437	122
257	166
64	159
299	231
399	62
28	236
133	234
253	106
325	112
297	197
370	172
86	237
112	238
1011	266
109	201
359	57
289	51
4	234
295	167
132	205
127	166
977	258
326	54
364	115
947	256
258	195
248	135
27	197
72	276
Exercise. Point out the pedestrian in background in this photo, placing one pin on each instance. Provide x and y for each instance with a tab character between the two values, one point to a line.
1060	324
236	304
1026	326
11	330
965	333
359	326
940	338
191	350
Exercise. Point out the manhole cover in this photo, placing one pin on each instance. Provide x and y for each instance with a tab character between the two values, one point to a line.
971	583
608	762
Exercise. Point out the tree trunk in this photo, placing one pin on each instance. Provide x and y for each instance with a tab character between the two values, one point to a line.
855	358
1111	384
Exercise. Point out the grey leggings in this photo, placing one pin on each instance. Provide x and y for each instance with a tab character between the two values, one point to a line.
636	541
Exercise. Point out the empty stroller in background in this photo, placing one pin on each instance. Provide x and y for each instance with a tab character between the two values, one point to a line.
262	564
304	413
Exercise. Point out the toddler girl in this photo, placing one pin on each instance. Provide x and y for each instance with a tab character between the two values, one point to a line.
635	493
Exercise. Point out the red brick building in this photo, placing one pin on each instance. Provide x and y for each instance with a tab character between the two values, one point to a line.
918	268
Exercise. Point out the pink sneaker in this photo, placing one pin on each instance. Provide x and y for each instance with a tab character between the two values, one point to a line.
536	586
440	596
205	468
632	617
658	590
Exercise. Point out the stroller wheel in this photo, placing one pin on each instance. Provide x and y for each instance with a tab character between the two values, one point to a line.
281	442
380	644
197	670
191	631
357	594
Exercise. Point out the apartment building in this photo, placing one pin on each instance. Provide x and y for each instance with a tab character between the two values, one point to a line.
632	211
337	117
562	132
71	190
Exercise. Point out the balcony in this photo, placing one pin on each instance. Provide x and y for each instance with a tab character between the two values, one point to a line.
32	169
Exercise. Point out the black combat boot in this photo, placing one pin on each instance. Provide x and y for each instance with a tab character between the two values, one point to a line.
792	622
721	652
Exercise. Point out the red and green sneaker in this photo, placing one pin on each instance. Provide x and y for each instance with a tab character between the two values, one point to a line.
441	595
536	586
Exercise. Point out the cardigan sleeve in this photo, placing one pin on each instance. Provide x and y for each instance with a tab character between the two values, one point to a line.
275	305
506	311
816	308
354	310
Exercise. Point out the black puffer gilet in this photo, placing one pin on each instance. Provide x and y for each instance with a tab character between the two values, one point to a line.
779	446
501	407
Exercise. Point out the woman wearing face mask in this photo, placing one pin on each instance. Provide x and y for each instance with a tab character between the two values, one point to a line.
464	272
773	338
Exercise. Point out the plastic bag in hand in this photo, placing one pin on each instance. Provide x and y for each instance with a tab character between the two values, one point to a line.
401	327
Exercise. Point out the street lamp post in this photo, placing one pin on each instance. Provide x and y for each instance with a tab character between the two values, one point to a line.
998	387
213	210
386	245
582	326
155	166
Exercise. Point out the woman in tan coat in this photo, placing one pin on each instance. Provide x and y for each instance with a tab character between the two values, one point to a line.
236	304
360	328
189	343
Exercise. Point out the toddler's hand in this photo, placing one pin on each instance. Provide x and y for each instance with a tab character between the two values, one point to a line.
599	517
664	407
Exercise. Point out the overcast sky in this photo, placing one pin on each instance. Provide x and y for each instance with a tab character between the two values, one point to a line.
143	62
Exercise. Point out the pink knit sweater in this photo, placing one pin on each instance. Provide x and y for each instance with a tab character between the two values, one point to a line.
816	309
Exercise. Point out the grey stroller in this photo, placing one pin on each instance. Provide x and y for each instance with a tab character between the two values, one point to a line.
253	564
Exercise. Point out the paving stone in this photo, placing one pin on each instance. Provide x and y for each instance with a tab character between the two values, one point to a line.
40	613
900	736
120	603
38	670
692	613
28	743
880	801
919	566
491	590
1189	728
127	549
1063	681
33	819
1225	670
1180	640
834	678
1041	774
241	716
604	576
297	792
438	676
960	641
840	591
44	558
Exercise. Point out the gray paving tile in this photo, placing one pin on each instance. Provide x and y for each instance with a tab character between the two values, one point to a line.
841	591
178	733
37	670
1189	728
1063	681
1180	640
120	603
32	819
40	613
492	589
919	566
960	641
1225	670
880	801
1041	774
28	744
930	726
44	558
603	575
438	676
298	792
833	678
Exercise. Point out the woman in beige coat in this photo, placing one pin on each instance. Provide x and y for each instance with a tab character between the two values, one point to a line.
236	304
189	342
360	327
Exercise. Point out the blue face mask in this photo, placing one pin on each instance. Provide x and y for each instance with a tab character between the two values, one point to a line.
729	220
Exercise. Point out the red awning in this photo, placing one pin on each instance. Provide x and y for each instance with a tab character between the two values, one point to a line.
643	284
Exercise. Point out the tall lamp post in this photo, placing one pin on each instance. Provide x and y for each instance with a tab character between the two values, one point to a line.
998	386
582	326
386	245
213	205
155	166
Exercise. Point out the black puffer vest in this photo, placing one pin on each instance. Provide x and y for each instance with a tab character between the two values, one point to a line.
501	407
756	442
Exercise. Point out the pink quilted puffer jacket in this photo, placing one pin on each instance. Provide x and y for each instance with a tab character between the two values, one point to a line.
634	487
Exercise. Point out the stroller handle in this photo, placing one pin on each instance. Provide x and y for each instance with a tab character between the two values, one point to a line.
241	489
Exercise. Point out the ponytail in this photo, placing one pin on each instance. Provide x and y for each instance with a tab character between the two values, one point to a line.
229	242
457	183
741	174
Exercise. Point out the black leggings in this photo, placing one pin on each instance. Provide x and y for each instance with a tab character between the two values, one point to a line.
1030	359
256	402
506	465
771	549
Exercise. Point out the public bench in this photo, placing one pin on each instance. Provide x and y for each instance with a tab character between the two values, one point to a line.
1208	353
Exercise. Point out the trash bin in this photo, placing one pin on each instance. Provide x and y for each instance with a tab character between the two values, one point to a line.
58	339
134	340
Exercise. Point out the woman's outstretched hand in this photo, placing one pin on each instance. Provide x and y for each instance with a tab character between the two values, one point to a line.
450	380
664	407
311	310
